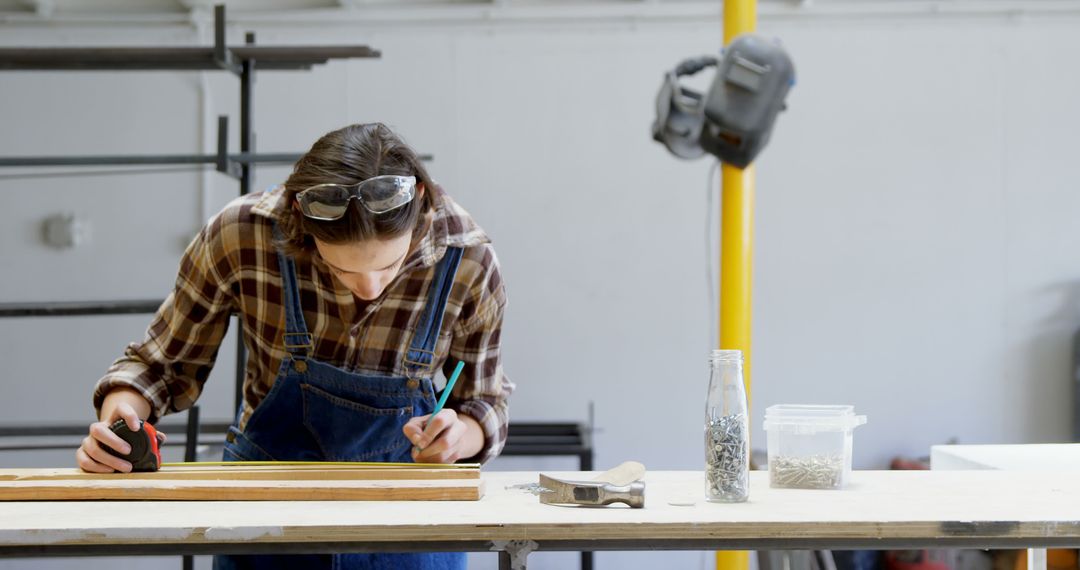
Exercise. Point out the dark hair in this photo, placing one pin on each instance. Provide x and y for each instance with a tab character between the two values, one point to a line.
348	156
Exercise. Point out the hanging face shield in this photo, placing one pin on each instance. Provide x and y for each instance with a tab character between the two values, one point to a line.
733	120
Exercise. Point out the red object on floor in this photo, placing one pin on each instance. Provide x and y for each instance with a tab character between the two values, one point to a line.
912	560
905	464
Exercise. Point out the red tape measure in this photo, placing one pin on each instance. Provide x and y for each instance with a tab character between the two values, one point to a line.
144	455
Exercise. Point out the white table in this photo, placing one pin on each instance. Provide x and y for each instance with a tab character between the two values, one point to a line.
879	510
1052	457
1028	457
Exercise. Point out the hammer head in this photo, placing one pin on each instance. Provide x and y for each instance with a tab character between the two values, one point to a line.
590	493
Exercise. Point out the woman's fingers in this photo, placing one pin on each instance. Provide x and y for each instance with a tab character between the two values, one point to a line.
444	448
95	452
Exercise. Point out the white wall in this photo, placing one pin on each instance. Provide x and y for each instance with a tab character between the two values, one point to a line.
916	221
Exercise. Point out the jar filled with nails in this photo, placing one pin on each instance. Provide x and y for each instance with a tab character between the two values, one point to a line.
727	437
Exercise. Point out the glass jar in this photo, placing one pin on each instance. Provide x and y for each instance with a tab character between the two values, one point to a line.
727	435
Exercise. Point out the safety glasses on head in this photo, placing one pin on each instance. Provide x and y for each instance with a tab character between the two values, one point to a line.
378	195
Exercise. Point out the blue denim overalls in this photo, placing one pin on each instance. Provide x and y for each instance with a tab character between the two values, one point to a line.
319	412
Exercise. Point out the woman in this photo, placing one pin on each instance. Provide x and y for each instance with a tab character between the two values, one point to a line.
354	283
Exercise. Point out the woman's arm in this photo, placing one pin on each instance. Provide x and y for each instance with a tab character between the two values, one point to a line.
166	371
478	425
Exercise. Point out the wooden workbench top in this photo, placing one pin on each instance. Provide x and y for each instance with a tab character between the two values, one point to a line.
893	507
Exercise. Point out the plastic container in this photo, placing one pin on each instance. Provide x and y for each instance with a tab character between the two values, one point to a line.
810	446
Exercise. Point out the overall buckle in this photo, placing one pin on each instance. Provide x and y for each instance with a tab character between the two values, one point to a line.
305	340
407	361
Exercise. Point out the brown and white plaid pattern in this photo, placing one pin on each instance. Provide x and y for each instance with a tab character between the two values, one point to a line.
232	266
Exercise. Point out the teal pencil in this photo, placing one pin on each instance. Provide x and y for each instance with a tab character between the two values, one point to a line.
446	392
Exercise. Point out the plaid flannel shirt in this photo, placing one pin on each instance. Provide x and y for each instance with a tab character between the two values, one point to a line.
232	267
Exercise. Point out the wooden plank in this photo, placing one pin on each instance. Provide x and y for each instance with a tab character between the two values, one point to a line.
120	489
318	465
255	472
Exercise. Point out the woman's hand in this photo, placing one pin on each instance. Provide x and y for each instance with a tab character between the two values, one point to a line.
121	403
449	437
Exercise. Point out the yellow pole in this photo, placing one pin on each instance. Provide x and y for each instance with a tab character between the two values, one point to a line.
736	249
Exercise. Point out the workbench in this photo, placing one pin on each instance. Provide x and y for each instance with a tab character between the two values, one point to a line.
1038	457
878	510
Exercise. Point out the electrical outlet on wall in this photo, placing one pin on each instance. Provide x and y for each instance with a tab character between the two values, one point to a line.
65	231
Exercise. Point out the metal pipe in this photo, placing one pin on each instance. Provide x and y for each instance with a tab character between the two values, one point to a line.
247	173
191	442
78	308
148	159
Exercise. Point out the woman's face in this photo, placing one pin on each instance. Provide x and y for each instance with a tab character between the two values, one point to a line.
366	268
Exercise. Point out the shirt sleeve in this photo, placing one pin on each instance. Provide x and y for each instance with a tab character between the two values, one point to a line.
484	388
170	366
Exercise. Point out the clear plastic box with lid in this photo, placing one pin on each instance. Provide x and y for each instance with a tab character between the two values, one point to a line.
809	446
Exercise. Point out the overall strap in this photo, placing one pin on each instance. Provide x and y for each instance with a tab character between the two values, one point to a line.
297	339
421	354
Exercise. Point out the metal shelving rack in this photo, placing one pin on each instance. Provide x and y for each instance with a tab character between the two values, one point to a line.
524	439
240	61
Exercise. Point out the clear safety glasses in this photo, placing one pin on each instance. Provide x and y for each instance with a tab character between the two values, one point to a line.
378	195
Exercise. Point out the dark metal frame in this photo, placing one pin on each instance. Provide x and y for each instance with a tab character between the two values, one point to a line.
342	547
78	308
1076	385
547	439
523	439
507	551
529	439
239	61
